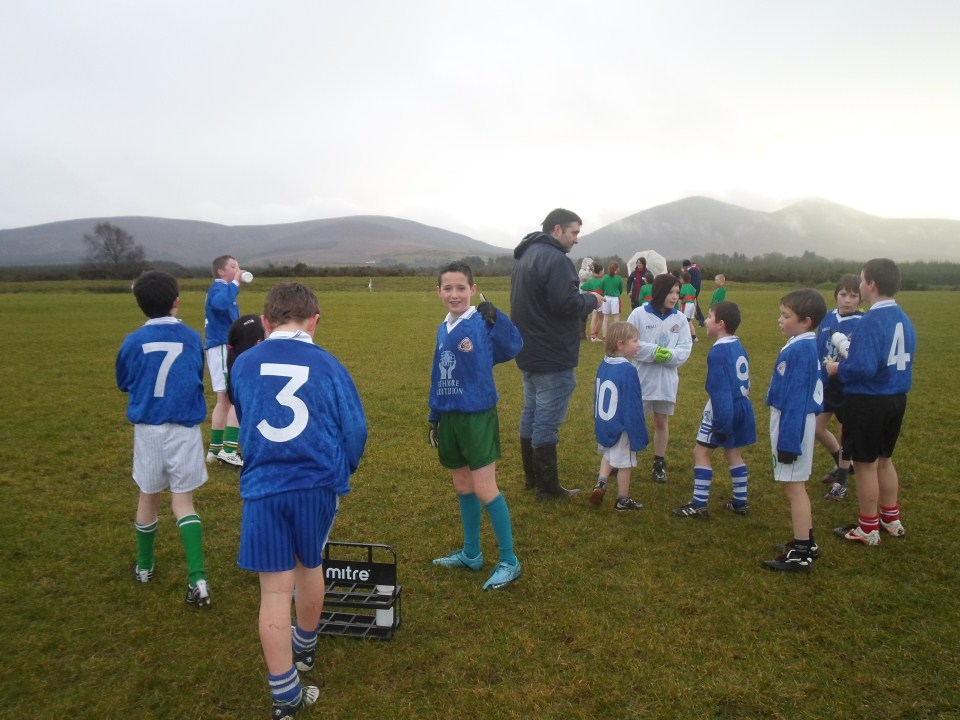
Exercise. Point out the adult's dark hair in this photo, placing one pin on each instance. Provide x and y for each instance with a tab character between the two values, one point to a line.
662	285
560	217
728	313
885	274
156	292
457	266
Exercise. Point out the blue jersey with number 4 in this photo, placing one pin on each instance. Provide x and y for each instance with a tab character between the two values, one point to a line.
880	359
160	367
302	425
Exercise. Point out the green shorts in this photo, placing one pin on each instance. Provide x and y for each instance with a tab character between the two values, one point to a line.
469	439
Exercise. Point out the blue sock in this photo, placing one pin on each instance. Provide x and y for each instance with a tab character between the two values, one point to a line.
470	511
304	639
500	519
285	688
702	479
738	474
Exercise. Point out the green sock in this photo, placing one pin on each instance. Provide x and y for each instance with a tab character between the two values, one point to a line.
500	519
146	534
191	535
216	441
230	437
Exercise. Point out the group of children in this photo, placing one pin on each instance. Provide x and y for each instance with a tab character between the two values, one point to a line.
303	430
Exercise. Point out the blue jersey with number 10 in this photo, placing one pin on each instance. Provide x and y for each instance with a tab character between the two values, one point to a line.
618	404
880	359
302	425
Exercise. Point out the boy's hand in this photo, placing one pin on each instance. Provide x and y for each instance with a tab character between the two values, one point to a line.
662	354
786	458
432	433
487	311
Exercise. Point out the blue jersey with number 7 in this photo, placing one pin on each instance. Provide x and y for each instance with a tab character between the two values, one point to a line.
302	425
880	359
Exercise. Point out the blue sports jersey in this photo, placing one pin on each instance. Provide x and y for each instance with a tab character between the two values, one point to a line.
220	310
880	360
302	425
618	404
160	367
796	389
834	322
728	385
461	379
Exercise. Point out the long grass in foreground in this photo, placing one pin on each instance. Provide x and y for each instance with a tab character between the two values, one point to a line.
635	615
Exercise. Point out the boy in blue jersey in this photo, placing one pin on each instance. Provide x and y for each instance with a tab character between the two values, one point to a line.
160	367
795	396
843	319
220	311
728	420
303	431
876	375
618	419
463	417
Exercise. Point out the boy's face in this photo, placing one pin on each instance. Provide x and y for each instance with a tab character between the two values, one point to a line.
455	292
847	301
629	348
714	329
229	271
791	324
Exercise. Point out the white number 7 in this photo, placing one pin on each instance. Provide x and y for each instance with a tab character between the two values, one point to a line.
173	350
298	375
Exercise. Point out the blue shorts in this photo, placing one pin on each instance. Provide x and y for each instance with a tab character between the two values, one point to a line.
278	530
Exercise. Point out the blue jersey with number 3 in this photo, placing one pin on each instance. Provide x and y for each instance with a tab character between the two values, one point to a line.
302	425
880	359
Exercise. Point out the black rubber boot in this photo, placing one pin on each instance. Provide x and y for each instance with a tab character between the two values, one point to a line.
526	454
545	471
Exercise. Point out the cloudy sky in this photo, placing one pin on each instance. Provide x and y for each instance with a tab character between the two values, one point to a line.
477	117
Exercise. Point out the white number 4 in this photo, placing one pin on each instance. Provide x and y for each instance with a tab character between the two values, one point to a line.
298	375
173	350
898	352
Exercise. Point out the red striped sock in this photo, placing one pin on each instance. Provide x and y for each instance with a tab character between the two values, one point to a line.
889	514
869	524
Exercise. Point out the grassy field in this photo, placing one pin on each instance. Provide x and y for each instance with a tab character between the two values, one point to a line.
635	615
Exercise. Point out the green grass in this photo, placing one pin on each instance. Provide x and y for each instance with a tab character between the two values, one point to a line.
646	615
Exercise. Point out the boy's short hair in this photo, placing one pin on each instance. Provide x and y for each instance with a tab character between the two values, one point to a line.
560	217
806	303
156	292
457	266
597	268
729	314
220	263
848	282
617	332
662	285
290	302
720	278
885	273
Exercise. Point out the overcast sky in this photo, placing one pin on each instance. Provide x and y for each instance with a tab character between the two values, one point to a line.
478	117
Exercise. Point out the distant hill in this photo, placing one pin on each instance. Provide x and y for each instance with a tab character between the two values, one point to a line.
336	241
699	225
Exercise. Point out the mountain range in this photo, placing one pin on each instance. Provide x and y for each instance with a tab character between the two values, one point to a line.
692	226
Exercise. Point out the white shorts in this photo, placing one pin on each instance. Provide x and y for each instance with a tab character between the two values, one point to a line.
661	407
799	470
217	363
611	305
689	310
168	456
620	455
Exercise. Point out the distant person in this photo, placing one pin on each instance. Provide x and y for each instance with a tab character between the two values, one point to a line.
877	375
665	345
794	397
304	432
728	420
594	284
612	287
547	307
638	278
843	319
585	273
220	310
463	417
619	424
160	367
720	293
688	300
696	279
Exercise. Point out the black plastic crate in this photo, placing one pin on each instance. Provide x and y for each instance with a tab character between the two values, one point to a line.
362	597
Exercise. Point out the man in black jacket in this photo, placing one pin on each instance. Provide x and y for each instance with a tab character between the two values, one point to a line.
548	308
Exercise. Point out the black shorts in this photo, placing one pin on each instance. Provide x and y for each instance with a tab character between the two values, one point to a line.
833	398
871	425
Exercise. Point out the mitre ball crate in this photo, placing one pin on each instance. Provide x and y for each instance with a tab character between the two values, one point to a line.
362	595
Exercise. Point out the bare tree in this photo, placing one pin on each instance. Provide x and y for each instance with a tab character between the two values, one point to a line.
112	250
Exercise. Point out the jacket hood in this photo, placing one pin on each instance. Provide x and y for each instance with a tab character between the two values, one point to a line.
534	238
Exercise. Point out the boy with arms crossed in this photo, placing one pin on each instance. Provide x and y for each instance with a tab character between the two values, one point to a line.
795	396
876	375
160	366
304	431
463	417
728	419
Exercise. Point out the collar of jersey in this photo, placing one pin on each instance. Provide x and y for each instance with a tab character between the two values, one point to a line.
166	320
290	335
451	324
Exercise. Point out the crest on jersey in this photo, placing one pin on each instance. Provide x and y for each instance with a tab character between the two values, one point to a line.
466	345
782	368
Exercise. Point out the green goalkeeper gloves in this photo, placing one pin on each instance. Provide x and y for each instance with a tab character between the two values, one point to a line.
662	354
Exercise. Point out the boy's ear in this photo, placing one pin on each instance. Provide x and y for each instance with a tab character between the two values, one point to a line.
267	327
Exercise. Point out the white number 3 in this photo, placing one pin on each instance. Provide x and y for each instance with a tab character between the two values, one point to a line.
898	351
298	375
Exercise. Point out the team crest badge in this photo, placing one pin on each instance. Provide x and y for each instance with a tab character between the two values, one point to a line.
466	345
782	368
